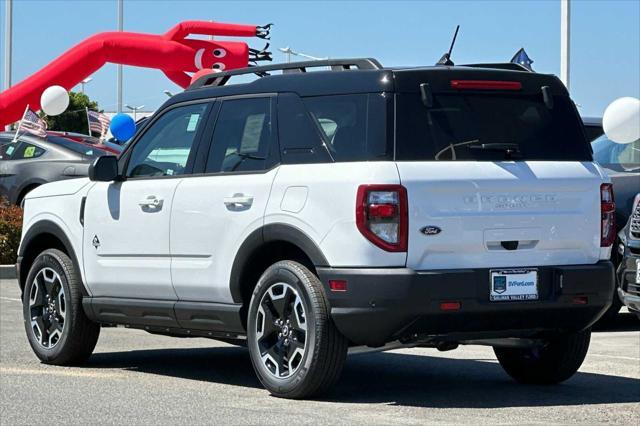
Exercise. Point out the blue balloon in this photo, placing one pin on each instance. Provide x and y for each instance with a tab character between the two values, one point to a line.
122	127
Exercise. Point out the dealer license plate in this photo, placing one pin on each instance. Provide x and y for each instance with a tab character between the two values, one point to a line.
513	285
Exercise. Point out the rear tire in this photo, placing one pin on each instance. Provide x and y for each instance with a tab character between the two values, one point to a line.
58	330
295	348
553	363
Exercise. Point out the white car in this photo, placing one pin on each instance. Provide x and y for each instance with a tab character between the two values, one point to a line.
304	214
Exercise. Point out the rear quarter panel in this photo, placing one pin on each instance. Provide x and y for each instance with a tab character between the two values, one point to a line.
320	200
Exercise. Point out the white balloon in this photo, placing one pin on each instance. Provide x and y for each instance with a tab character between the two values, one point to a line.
54	100
621	120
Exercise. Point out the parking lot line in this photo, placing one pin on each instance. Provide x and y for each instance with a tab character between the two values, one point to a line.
60	372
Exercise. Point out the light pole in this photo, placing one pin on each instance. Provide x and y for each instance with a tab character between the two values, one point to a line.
83	82
135	109
120	19
8	21
565	41
290	52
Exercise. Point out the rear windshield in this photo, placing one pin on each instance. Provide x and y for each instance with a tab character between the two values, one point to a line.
488	127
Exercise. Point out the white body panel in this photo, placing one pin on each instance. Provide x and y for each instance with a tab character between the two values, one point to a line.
207	229
327	215
59	203
185	249
133	258
551	208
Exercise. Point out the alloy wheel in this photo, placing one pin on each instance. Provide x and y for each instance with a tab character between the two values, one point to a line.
47	307
281	330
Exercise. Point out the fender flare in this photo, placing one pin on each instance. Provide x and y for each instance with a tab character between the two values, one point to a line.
266	234
46	227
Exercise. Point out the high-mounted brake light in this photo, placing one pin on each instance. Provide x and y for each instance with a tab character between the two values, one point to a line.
608	215
485	85
381	215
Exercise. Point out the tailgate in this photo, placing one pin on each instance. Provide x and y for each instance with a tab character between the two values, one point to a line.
502	214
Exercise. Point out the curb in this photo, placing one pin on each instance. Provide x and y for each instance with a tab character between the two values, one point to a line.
8	272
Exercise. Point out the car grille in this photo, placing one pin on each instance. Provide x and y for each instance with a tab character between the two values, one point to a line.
635	223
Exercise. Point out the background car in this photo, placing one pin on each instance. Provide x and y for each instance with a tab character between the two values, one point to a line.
32	161
622	164
629	269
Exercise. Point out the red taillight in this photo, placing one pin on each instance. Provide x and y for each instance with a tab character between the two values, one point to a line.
608	215
485	85
381	215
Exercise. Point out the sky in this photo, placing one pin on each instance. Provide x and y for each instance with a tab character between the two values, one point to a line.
605	37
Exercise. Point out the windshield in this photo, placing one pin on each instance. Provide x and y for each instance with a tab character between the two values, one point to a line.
488	127
616	156
78	147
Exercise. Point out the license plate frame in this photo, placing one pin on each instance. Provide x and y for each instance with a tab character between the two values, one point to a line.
513	285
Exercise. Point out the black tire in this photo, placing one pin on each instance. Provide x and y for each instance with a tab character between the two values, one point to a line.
325	349
553	363
77	334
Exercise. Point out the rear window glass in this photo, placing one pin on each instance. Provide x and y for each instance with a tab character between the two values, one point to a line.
488	127
353	126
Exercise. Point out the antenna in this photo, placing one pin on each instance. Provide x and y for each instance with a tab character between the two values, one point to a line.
446	58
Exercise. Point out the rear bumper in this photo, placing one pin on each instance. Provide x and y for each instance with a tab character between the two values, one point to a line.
381	305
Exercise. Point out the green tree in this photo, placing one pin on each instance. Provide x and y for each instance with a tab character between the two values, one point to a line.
74	119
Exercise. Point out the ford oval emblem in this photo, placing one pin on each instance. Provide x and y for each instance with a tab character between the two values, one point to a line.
430	230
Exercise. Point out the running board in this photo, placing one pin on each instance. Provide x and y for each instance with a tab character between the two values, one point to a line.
175	317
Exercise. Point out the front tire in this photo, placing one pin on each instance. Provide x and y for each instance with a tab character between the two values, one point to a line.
295	348
553	363
58	330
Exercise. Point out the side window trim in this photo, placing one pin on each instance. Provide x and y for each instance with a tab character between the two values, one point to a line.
123	166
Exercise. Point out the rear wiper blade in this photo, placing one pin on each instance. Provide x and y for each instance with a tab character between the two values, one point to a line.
510	149
496	146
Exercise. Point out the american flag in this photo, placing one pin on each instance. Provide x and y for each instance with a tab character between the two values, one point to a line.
98	122
33	124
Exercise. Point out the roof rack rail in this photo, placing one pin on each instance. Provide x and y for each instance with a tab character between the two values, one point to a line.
500	66
221	78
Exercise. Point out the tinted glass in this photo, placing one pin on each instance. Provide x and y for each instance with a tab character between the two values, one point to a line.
489	127
20	151
616	156
78	147
164	148
242	136
353	126
300	140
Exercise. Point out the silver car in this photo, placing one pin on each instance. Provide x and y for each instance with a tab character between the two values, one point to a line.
32	161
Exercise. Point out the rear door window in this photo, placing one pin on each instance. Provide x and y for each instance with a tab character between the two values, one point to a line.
242	137
488	127
20	151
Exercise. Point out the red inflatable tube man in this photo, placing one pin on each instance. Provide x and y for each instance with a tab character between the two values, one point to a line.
172	53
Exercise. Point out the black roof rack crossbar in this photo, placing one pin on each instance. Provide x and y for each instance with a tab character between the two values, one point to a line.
500	66
221	78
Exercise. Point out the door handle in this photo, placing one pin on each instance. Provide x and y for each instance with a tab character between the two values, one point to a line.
151	202
238	200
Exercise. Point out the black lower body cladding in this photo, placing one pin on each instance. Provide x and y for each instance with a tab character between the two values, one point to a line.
382	305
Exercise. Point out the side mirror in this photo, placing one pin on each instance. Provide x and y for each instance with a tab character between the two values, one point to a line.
104	169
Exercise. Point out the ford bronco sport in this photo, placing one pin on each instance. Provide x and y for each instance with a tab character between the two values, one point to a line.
305	213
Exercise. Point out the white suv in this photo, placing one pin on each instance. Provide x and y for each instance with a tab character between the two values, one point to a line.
303	214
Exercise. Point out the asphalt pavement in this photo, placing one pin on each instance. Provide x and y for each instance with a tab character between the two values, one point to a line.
138	378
